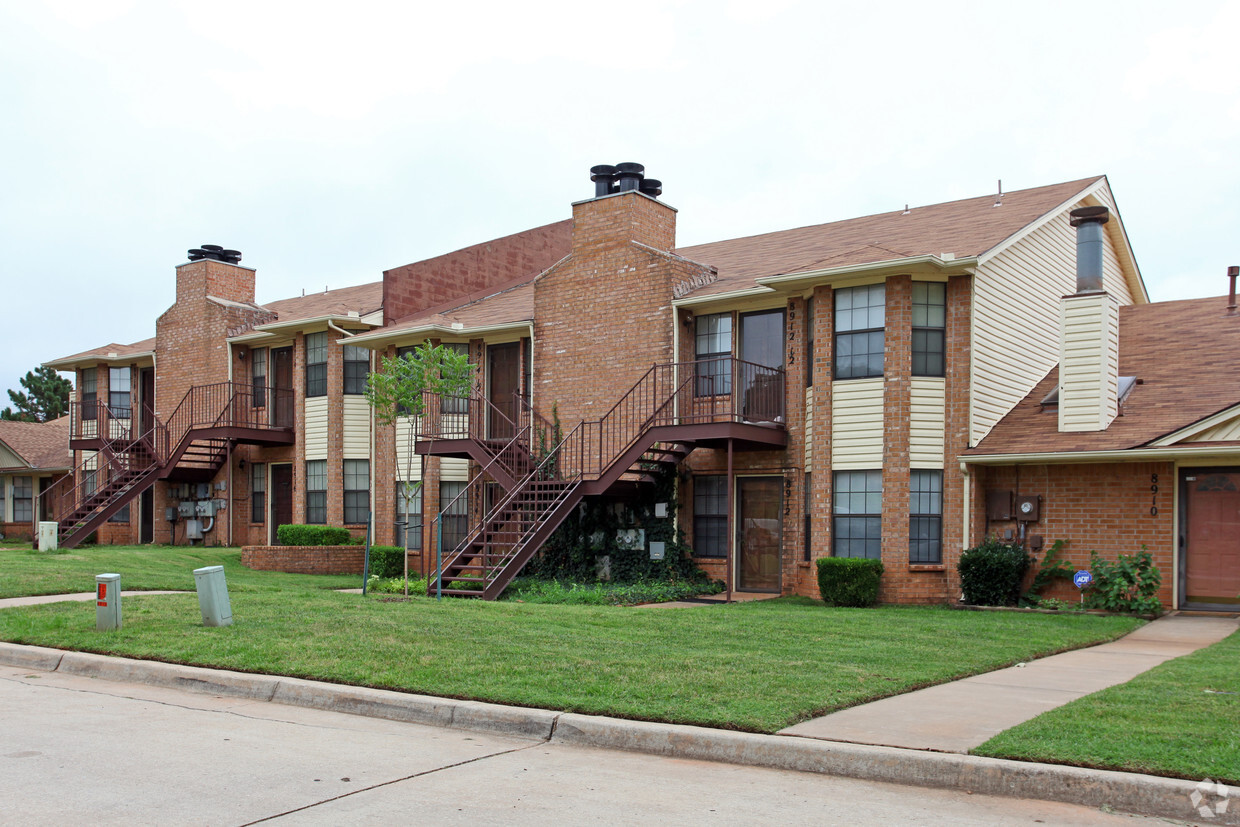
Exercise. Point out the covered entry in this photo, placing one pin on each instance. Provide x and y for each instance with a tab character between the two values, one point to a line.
1210	538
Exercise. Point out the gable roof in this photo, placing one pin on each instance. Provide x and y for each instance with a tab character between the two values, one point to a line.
1182	354
112	352
42	446
965	228
362	299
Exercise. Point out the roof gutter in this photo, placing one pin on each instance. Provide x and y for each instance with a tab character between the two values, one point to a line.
381	338
927	264
263	331
71	362
1120	455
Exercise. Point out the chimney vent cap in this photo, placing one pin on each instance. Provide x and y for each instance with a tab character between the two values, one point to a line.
214	252
1089	215
601	171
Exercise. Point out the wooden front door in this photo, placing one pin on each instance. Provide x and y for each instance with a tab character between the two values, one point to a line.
281	500
504	373
146	517
759	530
1211	538
282	386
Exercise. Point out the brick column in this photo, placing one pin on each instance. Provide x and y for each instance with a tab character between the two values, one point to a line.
793	571
956	433
897	374
824	360
299	428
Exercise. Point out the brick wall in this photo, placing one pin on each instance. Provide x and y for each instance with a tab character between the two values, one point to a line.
305	559
1102	507
425	284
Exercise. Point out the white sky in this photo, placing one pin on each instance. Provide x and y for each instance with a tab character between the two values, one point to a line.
329	142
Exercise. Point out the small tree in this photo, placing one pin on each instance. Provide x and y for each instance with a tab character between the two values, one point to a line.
46	397
399	389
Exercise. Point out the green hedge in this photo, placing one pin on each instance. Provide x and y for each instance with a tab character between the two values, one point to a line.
312	535
849	581
991	573
385	561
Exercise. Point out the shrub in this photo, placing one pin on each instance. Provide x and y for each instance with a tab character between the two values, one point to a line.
312	535
396	585
1052	568
1130	584
385	561
991	573
849	581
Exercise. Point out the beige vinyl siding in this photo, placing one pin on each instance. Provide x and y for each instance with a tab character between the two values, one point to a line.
316	428
857	424
927	422
809	429
453	469
1015	330
1223	432
1088	362
404	453
356	428
1113	279
8	459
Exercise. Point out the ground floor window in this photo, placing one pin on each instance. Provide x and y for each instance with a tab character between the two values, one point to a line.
4	514
925	508
121	516
710	516
258	492
809	500
356	490
409	517
455	522
23	499
857	529
316	491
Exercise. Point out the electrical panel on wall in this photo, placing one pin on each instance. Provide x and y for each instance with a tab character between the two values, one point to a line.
1028	508
998	505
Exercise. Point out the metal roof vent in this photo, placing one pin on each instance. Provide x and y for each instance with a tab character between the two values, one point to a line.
214	252
626	177
1089	245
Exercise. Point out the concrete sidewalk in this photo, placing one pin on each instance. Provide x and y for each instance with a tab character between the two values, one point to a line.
958	716
10	602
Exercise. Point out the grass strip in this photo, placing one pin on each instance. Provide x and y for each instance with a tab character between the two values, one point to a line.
1180	719
756	666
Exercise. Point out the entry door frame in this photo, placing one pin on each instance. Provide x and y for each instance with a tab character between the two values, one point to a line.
505	402
270	516
1181	564
738	529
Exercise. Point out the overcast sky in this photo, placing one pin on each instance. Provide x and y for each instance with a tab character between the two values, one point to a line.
329	142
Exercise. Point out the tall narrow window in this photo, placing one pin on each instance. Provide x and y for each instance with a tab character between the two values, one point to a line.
401	353
929	323
925	529
316	491
859	338
316	364
90	395
4	514
455	510
356	490
456	404
356	365
409	518
258	376
119	392
23	499
713	345
258	492
809	488
858	522
809	343
710	516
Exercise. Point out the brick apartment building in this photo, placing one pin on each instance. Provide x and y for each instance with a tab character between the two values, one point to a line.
887	386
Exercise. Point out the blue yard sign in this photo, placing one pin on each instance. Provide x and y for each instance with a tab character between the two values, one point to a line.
1082	579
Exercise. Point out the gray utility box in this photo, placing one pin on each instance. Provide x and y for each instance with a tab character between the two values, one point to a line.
213	596
48	535
107	602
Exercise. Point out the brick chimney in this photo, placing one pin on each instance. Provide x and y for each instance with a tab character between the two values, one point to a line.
1089	334
603	315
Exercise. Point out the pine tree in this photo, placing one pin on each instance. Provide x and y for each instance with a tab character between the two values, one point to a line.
46	397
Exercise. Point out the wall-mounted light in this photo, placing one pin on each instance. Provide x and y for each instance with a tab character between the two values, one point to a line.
243	464
241	354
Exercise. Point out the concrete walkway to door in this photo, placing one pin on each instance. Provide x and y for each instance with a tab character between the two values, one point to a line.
958	716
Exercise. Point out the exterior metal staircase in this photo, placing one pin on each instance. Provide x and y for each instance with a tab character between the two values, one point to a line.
191	446
669	411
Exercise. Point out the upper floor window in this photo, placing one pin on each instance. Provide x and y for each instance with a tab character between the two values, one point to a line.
859	336
809	343
714	342
929	323
356	365
258	376
456	404
119	391
316	364
90	393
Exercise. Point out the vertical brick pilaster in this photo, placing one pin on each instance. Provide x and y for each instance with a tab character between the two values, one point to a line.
897	375
824	360
299	428
956	429
795	356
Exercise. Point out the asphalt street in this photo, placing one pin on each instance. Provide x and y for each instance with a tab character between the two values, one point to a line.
84	749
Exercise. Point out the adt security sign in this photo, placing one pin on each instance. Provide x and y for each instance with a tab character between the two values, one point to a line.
1082	579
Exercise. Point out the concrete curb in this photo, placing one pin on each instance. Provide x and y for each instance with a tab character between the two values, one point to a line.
1125	792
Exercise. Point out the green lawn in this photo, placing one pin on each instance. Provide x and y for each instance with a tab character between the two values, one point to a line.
145	568
1181	718
754	666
